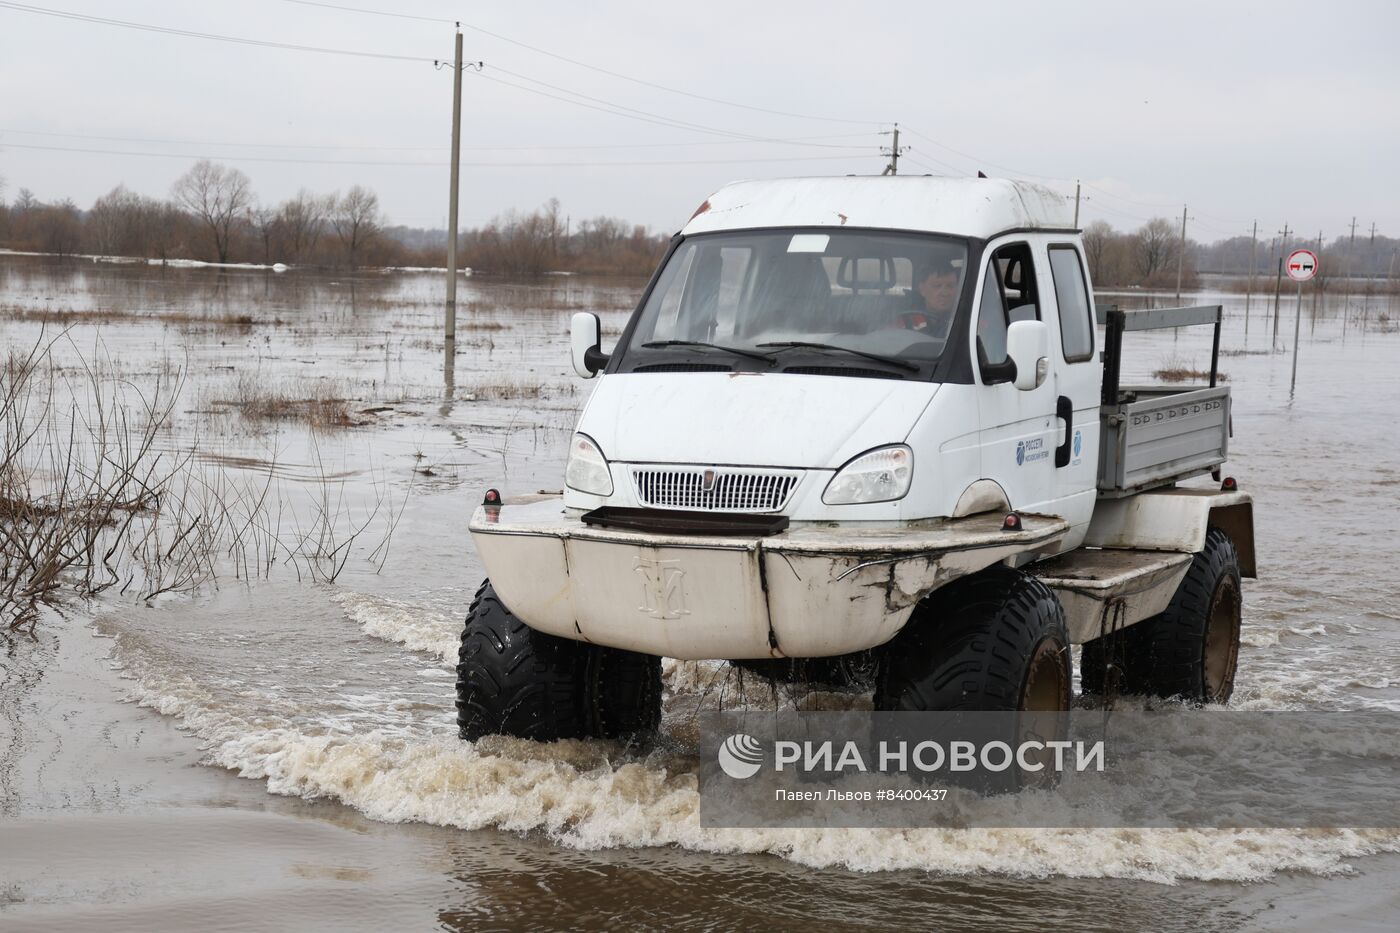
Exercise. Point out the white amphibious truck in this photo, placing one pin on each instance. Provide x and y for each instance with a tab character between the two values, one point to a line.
863	424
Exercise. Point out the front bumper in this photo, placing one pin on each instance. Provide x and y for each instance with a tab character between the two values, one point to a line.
814	590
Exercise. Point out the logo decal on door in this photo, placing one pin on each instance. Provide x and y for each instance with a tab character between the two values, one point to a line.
1078	443
1031	451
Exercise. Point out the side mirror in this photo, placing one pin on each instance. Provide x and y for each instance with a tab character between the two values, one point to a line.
1027	344
585	341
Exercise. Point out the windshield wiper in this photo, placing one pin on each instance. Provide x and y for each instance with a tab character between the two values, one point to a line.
751	354
877	357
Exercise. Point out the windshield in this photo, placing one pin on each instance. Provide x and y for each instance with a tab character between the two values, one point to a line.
848	300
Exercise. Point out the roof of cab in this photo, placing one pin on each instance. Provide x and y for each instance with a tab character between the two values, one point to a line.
976	207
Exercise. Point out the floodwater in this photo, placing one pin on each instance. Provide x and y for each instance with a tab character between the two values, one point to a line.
281	753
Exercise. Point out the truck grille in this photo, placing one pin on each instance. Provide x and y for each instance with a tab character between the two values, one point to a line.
717	489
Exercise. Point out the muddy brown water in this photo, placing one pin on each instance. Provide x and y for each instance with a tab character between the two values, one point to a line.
282	755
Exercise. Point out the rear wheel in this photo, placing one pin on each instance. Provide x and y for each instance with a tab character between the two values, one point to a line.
513	680
1191	650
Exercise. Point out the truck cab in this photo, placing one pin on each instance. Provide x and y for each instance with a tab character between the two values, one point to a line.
786	341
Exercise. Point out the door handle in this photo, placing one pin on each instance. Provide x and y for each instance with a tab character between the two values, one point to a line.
1064	410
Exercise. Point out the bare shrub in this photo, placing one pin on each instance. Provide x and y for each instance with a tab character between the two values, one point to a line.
506	390
91	499
77	469
1179	369
317	403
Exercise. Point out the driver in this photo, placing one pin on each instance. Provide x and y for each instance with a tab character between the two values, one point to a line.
936	284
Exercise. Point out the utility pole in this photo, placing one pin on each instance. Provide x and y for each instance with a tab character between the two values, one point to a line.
1181	255
1278	282
450	311
1077	199
1373	233
1297	325
1346	281
1253	262
1317	286
894	152
1390	282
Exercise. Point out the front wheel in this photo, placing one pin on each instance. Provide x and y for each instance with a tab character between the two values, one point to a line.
993	641
513	680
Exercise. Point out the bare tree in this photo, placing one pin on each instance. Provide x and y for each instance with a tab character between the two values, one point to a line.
301	221
116	223
49	228
218	196
168	227
1097	236
355	220
266	223
25	201
1155	242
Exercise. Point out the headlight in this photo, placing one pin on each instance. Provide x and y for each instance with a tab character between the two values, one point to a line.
881	475
588	468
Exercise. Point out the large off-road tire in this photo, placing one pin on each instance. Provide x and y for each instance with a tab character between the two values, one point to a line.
1190	650
992	641
627	694
513	680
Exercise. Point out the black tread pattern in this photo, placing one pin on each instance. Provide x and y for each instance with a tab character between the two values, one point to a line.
1164	656
969	646
515	681
628	694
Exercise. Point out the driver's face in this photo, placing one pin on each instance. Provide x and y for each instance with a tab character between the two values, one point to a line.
939	291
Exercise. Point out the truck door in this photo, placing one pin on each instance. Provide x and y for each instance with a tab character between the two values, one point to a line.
1017	434
1077	378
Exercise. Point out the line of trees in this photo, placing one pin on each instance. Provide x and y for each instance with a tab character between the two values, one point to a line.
213	214
1148	256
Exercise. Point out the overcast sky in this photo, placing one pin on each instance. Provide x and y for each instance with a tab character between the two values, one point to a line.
1270	111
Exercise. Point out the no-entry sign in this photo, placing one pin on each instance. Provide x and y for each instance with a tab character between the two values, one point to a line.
1301	265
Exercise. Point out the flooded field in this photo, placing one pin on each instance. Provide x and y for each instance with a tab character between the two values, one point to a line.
276	746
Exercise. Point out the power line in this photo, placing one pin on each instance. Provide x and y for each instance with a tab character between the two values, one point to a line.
590	67
1119	197
420	164
343	148
682	124
933	165
216	37
356	9
615	109
980	162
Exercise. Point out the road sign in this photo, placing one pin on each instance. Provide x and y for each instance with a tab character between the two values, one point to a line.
1301	265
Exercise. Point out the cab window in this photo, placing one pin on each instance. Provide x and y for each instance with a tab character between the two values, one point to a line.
1072	297
1009	294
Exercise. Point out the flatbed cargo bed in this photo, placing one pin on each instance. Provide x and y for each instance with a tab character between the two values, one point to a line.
1154	436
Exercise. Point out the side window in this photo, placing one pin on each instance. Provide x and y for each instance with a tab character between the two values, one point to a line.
1009	294
991	322
1076	326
